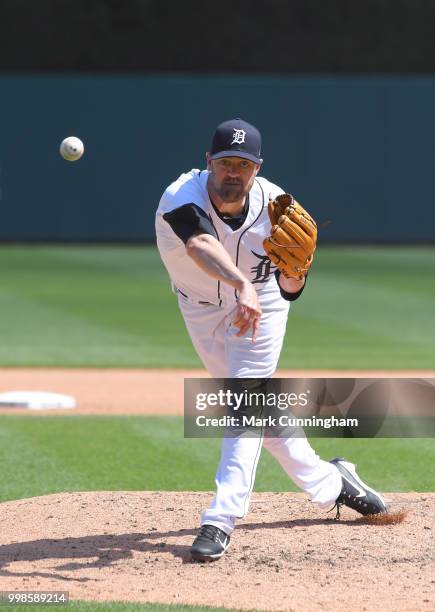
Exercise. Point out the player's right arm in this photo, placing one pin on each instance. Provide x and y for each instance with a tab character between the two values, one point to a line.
192	225
213	259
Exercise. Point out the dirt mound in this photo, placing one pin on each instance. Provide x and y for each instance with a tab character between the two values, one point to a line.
286	555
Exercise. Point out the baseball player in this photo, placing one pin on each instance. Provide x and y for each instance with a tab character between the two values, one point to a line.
237	250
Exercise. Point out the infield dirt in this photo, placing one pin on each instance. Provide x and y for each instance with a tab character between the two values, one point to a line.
140	391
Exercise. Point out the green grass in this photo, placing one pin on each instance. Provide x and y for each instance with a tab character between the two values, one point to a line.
112	306
42	455
89	306
366	308
84	606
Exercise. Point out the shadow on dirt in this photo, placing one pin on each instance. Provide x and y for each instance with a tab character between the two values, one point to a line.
99	551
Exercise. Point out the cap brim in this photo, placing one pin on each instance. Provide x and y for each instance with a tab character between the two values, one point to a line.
241	154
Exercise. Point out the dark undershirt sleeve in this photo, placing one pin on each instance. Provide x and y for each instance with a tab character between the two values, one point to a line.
188	220
290	297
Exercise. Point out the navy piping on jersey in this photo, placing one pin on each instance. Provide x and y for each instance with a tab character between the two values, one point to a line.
218	283
179	291
217	235
246	229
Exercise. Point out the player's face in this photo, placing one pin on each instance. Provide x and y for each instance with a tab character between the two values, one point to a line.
232	177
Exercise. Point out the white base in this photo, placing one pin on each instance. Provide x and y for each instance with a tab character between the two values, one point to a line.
36	400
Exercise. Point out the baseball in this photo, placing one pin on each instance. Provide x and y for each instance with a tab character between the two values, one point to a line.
71	148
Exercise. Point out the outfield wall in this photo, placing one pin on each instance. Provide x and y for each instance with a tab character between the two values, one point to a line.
356	150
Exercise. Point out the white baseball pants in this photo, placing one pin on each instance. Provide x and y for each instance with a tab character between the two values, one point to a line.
227	356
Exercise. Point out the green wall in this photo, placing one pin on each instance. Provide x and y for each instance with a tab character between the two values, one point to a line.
356	150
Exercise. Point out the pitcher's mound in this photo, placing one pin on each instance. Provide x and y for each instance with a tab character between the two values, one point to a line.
286	555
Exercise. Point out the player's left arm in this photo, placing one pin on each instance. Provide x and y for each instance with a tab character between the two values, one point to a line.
290	288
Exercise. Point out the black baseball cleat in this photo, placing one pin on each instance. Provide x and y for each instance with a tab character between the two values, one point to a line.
210	544
355	493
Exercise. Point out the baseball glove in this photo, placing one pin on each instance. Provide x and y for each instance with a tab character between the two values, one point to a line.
292	241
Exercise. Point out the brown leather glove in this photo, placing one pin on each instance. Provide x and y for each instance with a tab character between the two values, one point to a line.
293	238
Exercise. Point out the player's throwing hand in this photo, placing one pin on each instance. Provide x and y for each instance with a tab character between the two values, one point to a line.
248	311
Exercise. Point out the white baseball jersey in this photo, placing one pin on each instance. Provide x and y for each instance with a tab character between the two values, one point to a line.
244	245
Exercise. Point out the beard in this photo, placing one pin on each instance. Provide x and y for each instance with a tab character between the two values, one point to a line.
230	192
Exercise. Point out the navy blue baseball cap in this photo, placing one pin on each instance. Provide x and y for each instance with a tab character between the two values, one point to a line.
236	138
